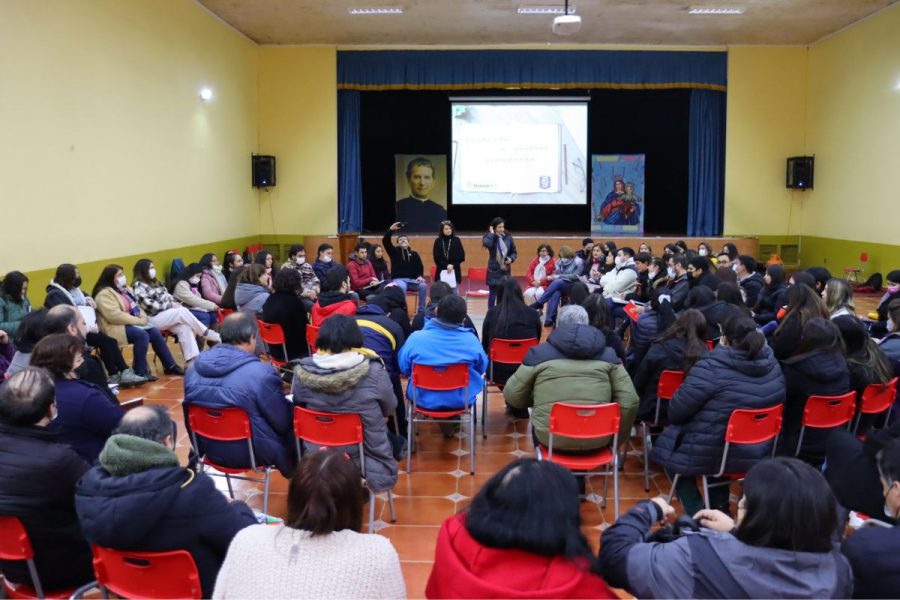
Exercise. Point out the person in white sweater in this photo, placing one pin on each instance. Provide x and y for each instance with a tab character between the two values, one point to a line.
319	552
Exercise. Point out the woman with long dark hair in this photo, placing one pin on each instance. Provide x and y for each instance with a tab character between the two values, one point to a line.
14	303
803	305
867	363
771	299
599	317
186	289
448	252
213	280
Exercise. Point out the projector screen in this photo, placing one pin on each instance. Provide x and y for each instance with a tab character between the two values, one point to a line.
519	152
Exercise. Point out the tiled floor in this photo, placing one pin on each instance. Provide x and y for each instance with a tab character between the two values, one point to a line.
440	484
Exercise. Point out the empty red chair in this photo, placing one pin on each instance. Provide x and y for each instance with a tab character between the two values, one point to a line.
587	421
504	352
335	430
227	425
476	275
440	379
15	546
312	334
877	398
129	574
669	382
826	412
273	335
745	427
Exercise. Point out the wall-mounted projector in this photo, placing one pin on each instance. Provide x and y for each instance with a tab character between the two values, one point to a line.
566	24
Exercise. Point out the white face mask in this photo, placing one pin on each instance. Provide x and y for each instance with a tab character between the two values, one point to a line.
326	259
703	252
620	261
194	280
890	325
217	268
300	260
651	274
152	273
734	267
671	271
121	281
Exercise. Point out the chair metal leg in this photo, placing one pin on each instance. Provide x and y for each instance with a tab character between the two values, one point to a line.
616	491
230	490
371	511
391	505
646	433
672	491
266	492
605	487
484	407
472	433
705	492
35	580
410	427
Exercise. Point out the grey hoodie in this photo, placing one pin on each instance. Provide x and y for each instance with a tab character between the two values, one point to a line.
250	297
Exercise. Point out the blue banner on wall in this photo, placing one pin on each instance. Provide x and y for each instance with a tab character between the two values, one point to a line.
617	194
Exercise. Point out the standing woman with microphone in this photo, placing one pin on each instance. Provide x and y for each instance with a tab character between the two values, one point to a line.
501	254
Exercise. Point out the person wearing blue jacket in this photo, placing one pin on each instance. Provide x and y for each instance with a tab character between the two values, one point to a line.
445	341
230	374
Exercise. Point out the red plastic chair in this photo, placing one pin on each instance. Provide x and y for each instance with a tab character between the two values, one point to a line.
273	334
710	344
227	425
129	574
312	334
876	398
583	422
826	412
335	430
433	272
669	382
440	379
16	546
504	352
222	313
476	275
253	249
745	427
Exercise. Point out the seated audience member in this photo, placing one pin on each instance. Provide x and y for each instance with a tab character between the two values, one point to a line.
264	258
867	363
335	298
86	414
750	281
657	275
319	551
407	270
38	475
64	290
731	250
231	375
705	250
891	292
213	281
343	378
771	297
599	318
838	298
677	349
362	273
392	301
233	261
609	255
7	353
803	305
29	333
699	273
445	340
679	283
645	330
670	250
252	289
500	546
140	498
379	263
286	308
645	247
741	372
164	313
578	293
703	299
621	280
594	267
804	278
725	275
567	270
187	291
297	262
729	300
509	319
587	247
681	246
230	288
642	291
120	316
817	368
539	270
448	252
821	275
14	303
889	344
574	365
780	545
324	262
723	261
872	551
436	293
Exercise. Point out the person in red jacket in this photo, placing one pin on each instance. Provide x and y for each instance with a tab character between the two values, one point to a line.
542	267
362	274
335	298
520	538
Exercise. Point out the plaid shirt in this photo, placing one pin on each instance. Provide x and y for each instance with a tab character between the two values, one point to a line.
153	298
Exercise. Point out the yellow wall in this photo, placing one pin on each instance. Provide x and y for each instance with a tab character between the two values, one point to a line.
298	124
106	149
766	122
853	128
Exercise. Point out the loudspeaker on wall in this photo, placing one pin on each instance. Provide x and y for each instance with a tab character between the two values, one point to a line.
800	172
263	171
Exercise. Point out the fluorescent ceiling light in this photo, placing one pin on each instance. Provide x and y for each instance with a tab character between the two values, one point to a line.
716	10
387	10
544	10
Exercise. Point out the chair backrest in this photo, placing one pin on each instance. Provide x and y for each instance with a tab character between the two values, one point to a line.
584	421
477	274
878	397
433	272
510	352
170	574
271	333
14	542
441	379
824	412
746	426
222	313
669	382
220	424
327	429
312	334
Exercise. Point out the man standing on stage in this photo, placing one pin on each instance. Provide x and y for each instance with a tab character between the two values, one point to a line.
416	210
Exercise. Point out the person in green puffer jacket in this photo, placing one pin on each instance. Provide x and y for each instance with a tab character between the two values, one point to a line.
574	365
14	304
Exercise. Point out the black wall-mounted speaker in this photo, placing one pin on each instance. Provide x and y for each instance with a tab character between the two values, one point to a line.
800	172
263	171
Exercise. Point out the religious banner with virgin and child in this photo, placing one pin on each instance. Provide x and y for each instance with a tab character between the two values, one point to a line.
617	194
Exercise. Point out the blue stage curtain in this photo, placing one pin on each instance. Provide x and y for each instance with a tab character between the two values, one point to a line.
706	163
483	69
350	179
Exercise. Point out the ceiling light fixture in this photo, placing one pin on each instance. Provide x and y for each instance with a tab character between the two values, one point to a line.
387	10
206	94
716	10
566	23
544	10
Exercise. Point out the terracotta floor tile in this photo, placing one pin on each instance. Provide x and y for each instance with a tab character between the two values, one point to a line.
495	443
425	484
416	576
432	462
412	543
469	485
491	462
436	443
412	510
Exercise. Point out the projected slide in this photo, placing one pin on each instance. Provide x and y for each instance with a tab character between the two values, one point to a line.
519	153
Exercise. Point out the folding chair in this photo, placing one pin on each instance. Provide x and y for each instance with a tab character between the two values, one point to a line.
15	545
745	427
127	574
826	412
505	352
669	382
583	422
312	334
273	334
222	313
334	430
477	275
875	399
227	425
440	379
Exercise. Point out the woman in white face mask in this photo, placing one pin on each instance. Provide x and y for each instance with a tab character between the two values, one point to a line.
187	291
297	262
212	279
704	249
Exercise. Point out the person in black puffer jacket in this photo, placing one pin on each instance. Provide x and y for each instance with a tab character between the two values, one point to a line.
739	373
510	319
818	368
771	298
436	292
644	331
